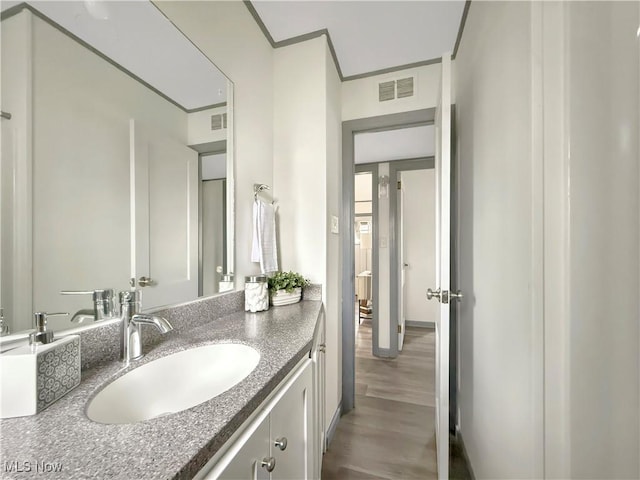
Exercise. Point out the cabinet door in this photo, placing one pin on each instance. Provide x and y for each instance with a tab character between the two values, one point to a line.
318	359
246	463
292	419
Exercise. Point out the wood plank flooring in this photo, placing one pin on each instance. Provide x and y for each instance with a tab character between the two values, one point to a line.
390	434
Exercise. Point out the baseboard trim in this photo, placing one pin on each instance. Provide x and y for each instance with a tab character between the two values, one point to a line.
415	323
384	353
331	431
465	454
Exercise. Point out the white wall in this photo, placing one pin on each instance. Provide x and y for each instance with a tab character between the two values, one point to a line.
360	97
199	126
214	166
538	91
499	352
396	144
333	299
307	159
227	33
300	149
603	128
420	243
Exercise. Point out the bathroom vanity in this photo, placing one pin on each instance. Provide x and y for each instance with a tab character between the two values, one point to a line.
266	426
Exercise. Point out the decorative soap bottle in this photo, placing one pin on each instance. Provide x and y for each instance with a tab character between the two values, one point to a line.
35	376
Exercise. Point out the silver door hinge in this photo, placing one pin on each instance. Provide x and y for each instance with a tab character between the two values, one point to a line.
399	185
399	328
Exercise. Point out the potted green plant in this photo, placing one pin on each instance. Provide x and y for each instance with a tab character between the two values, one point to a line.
286	288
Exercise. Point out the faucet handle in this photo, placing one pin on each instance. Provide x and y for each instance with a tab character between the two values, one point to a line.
130	296
98	295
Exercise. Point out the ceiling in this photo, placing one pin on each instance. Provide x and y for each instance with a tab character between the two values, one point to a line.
159	53
369	36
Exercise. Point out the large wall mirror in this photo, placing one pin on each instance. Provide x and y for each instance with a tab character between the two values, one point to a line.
117	160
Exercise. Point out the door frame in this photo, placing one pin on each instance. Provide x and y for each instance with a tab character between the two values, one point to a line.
349	129
423	163
375	318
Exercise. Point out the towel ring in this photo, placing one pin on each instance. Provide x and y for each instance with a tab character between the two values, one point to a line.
260	187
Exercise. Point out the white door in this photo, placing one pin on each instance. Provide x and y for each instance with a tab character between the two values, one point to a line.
443	244
401	267
164	218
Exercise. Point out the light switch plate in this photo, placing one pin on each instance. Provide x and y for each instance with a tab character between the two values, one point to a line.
335	225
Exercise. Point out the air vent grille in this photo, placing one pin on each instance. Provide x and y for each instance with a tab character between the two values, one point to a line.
387	91
392	89
218	121
405	87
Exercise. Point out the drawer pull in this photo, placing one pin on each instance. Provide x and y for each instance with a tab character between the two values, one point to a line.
281	443
269	463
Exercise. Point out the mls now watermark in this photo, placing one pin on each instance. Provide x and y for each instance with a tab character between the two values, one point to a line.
27	466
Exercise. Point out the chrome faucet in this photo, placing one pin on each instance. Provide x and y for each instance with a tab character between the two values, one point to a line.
103	305
131	348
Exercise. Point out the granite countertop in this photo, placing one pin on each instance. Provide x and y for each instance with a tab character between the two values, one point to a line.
173	446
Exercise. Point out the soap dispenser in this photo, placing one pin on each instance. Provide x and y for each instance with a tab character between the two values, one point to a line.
35	376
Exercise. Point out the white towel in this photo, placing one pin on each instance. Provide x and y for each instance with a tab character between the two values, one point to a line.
264	245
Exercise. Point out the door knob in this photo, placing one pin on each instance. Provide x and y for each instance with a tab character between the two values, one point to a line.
145	281
269	463
431	294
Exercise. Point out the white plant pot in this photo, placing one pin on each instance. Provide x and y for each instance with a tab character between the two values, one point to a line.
282	297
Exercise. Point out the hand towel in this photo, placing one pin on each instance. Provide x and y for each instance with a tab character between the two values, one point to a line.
264	247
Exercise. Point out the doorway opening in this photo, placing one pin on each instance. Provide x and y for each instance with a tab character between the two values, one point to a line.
412	246
366	252
212	224
350	130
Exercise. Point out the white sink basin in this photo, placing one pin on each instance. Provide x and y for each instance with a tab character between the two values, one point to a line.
173	383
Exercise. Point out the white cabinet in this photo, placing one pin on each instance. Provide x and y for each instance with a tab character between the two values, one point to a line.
246	462
318	361
291	422
279	441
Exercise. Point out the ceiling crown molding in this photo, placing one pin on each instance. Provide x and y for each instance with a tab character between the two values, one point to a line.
294	40
308	36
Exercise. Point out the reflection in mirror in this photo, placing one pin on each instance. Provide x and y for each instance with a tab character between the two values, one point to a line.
105	181
213	188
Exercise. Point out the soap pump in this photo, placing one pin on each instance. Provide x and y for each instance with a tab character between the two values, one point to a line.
35	376
42	335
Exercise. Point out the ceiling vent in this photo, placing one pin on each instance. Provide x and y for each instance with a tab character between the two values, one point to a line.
219	121
387	91
400	88
405	87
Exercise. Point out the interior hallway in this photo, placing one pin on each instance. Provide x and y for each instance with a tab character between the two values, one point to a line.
390	434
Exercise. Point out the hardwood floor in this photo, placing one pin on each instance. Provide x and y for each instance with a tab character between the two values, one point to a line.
390	434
